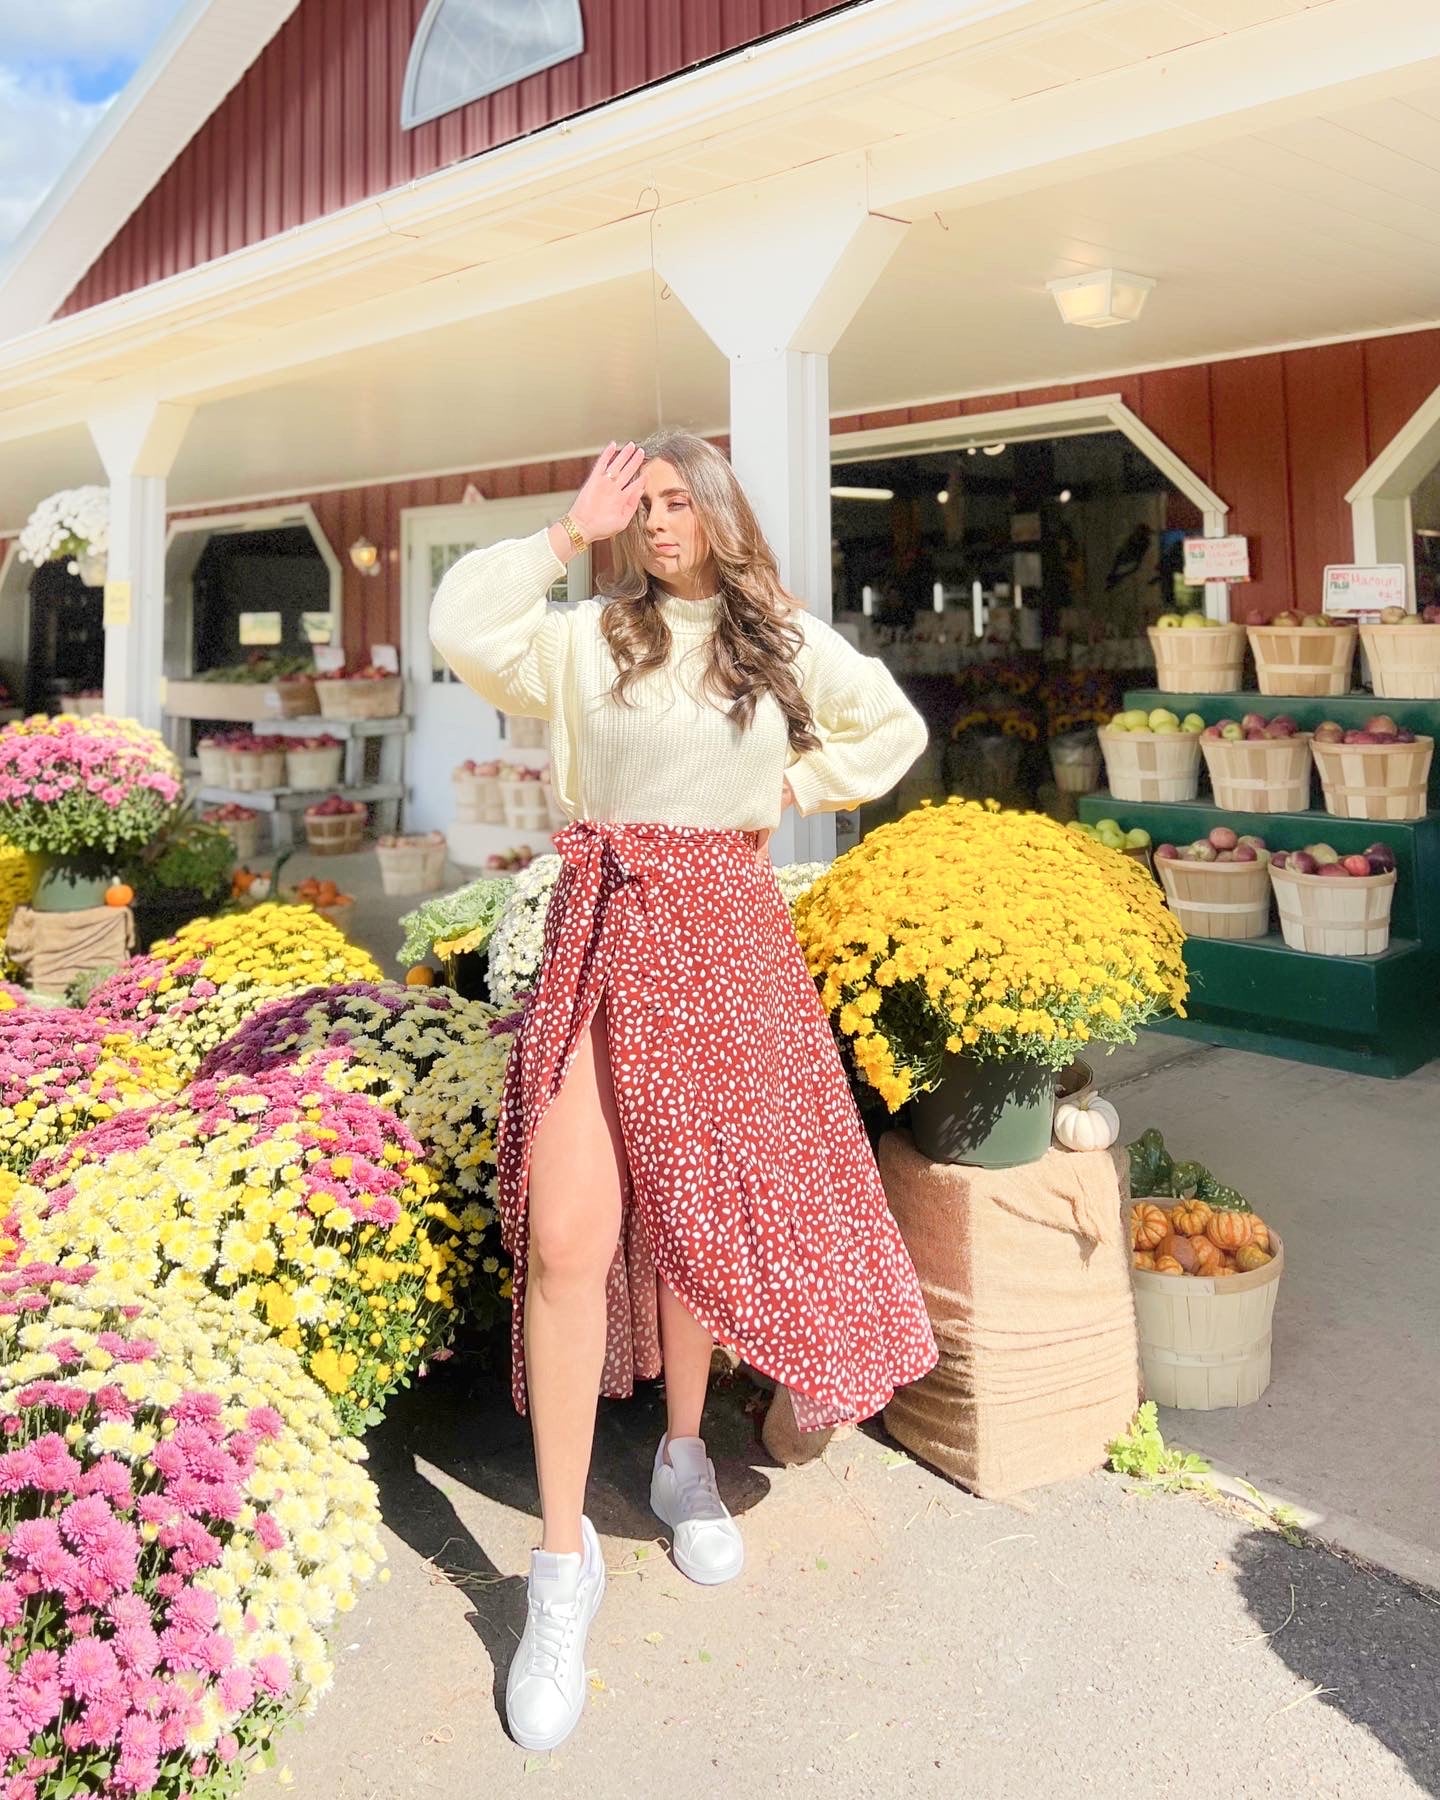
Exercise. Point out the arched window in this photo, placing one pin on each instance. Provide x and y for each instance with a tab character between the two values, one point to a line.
466	49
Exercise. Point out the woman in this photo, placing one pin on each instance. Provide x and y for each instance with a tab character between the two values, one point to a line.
680	1157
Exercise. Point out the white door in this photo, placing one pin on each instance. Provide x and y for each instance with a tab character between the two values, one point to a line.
453	724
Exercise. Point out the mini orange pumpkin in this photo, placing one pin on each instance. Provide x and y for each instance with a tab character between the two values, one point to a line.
1143	1259
1250	1256
1190	1217
1228	1230
1259	1232
1148	1224
1177	1248
119	893
1207	1255
420	976
1167	1265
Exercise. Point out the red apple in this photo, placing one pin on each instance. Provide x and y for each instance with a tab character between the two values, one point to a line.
1286	618
1223	838
1334	871
1361	737
1254	737
1358	865
1200	851
1280	859
1254	722
1430	616
1166	850
1301	862
1255	616
1284	719
1402	736
1329	732
1214	732
1381	854
1244	853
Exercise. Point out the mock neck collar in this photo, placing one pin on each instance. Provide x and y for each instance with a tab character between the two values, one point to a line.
689	616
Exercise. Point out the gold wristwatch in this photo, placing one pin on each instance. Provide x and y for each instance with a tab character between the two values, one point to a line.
572	531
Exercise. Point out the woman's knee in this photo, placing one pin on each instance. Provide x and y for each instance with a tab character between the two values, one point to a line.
577	1177
566	1253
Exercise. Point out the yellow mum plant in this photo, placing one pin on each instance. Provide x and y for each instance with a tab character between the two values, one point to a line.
964	928
273	945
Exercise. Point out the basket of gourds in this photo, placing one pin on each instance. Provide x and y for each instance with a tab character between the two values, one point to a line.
1206	1271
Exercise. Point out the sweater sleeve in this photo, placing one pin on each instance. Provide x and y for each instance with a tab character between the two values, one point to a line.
490	621
869	732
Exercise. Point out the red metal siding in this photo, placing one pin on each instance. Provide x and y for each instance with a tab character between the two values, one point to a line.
314	124
1281	438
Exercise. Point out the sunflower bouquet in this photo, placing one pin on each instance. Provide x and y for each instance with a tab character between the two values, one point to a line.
180	1523
962	928
302	1205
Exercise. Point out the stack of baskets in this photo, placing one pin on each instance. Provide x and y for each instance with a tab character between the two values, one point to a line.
336	827
529	800
1303	660
361	697
412	865
525	734
1199	662
478	799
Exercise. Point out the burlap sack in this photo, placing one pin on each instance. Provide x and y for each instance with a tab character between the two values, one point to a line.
1026	1274
51	948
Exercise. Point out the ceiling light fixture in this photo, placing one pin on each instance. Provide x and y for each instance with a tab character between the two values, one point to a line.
365	556
1063	496
993	449
1100	297
861	493
943	497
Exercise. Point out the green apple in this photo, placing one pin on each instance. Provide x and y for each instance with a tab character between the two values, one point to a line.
1162	719
1323	853
1192	722
1139	719
1120	721
1232	731
1168	622
1138	839
1166	728
1194	622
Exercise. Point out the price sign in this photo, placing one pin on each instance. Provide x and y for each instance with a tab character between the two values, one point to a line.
385	656
1216	559
1363	590
117	607
329	659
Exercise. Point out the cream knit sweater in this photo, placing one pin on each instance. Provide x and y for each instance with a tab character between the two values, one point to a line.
673	757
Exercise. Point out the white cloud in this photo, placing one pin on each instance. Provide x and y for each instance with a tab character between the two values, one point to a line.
88	33
42	126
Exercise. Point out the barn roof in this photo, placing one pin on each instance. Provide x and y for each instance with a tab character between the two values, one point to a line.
201	55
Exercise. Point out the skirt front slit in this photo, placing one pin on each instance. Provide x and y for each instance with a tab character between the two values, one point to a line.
751	1189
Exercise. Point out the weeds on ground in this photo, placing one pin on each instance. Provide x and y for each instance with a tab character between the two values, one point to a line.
1144	1455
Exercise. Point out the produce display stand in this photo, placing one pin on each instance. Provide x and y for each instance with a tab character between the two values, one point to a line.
1374	1015
385	794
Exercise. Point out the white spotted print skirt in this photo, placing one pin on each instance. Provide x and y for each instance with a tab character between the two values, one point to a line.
751	1191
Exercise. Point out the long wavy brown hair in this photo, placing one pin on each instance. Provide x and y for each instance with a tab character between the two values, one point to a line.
756	637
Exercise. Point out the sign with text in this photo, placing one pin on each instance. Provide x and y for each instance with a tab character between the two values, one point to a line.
329	659
117	607
385	656
1363	590
1216	559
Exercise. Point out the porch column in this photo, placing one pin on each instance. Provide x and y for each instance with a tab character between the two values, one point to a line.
138	444
773	274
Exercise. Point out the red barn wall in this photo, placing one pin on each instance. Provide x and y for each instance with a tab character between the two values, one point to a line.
314	125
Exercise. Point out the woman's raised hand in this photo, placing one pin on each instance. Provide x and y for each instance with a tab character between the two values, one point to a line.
607	502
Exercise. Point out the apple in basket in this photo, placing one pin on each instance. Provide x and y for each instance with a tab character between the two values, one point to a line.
1381	858
1255	616
333	808
1381	727
1301	862
1357	865
1286	618
1329	732
1431	615
1393	615
1232	731
1362	737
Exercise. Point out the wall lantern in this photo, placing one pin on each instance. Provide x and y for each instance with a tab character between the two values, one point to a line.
365	556
1101	297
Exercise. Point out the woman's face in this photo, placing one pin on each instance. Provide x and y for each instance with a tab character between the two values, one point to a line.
675	546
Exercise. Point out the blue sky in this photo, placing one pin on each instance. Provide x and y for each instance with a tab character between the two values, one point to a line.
61	64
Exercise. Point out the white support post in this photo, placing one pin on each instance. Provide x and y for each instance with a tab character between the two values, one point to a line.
773	275
138	444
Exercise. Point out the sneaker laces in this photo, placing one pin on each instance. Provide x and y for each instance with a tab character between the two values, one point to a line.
699	1497
552	1624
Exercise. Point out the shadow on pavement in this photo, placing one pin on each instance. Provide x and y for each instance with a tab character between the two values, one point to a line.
1367	1640
459	1423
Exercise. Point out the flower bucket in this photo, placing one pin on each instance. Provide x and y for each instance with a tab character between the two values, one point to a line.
307	769
987	1112
1076	765
1205	1340
1217	900
1076	1081
1376	781
62	884
1199	662
1303	660
1152	765
369	699
478	799
526	803
1404	660
1331	917
1260	775
412	865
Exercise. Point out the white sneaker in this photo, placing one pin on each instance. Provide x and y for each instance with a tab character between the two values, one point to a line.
545	1689
708	1545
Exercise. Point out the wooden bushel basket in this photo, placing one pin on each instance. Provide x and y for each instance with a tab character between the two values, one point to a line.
1303	660
1404	660
1199	662
306	769
335	834
1076	766
413	865
527	804
1151	765
214	765
1267	775
244	834
1331	917
1217	900
1205	1342
254	771
377	699
1376	781
478	800
525	734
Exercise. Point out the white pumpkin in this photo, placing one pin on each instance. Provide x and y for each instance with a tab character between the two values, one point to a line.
1091	1124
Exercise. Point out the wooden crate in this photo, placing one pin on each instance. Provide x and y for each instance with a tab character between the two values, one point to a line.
1330	917
1217	900
1269	775
375	699
1404	660
1303	659
1199	662
245	702
1376	781
1205	1340
1151	765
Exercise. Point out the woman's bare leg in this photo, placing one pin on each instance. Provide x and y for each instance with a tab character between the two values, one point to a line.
575	1202
686	1347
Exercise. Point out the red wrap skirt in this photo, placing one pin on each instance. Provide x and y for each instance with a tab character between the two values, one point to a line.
751	1188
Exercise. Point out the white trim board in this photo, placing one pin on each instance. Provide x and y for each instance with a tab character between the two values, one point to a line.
1381	516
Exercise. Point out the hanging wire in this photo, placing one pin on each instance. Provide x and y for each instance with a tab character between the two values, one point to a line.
650	188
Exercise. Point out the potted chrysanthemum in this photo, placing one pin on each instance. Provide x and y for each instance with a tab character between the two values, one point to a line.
966	954
80	795
72	527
